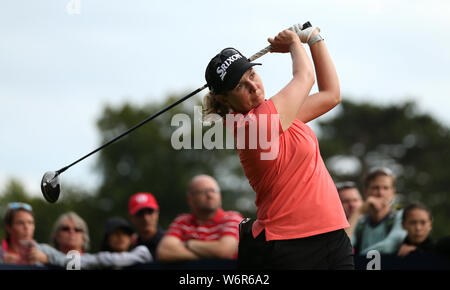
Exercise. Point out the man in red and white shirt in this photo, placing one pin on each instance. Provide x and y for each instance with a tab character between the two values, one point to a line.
208	232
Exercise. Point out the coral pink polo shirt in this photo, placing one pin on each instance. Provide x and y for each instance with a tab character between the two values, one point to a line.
295	195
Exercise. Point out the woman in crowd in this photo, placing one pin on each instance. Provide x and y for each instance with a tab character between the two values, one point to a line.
70	232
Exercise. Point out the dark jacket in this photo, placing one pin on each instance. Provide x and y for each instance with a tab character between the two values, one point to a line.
151	244
426	246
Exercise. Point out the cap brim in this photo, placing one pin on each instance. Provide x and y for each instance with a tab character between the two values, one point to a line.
126	228
138	208
231	80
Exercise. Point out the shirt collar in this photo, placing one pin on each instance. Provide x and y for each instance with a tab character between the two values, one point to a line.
427	242
5	245
215	219
383	220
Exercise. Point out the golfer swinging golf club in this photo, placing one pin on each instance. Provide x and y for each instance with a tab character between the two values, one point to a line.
50	184
300	219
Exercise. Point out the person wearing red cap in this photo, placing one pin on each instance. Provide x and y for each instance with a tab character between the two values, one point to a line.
144	214
207	232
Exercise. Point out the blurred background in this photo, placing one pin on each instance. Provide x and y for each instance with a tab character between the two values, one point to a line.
74	74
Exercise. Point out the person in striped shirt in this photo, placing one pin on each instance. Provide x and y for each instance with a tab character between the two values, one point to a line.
207	232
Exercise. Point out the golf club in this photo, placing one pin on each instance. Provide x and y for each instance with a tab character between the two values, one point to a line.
50	185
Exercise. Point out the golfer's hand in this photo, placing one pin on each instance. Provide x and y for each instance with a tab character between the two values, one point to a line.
283	41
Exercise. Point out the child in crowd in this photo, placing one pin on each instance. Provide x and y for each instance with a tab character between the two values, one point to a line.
116	251
118	235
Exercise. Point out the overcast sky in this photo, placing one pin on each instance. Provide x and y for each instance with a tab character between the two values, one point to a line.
58	69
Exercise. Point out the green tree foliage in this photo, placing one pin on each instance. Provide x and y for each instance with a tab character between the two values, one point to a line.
414	145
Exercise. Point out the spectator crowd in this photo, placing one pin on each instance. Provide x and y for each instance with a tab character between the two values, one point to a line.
207	232
210	232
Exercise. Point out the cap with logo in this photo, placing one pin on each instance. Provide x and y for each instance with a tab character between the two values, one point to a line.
225	70
142	200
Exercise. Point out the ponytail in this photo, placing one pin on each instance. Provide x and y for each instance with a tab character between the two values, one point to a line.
212	109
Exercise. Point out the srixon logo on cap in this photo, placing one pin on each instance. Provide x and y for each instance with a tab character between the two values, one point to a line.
222	70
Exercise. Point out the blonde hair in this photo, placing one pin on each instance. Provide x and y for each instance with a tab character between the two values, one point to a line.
213	110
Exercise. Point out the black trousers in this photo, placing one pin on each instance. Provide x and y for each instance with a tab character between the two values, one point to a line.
328	251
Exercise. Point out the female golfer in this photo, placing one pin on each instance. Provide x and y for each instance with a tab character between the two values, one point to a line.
300	219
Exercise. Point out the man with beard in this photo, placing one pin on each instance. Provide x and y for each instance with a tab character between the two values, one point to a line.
207	232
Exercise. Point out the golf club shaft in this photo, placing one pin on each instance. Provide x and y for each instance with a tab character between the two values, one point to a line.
255	56
252	58
133	128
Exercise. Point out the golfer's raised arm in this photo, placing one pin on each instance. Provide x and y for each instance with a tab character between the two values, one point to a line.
290	99
329	94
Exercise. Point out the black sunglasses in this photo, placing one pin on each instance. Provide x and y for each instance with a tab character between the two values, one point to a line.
67	229
144	211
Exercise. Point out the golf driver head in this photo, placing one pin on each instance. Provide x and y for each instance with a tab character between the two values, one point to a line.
50	186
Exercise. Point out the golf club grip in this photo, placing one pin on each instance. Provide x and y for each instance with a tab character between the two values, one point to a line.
260	53
295	27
